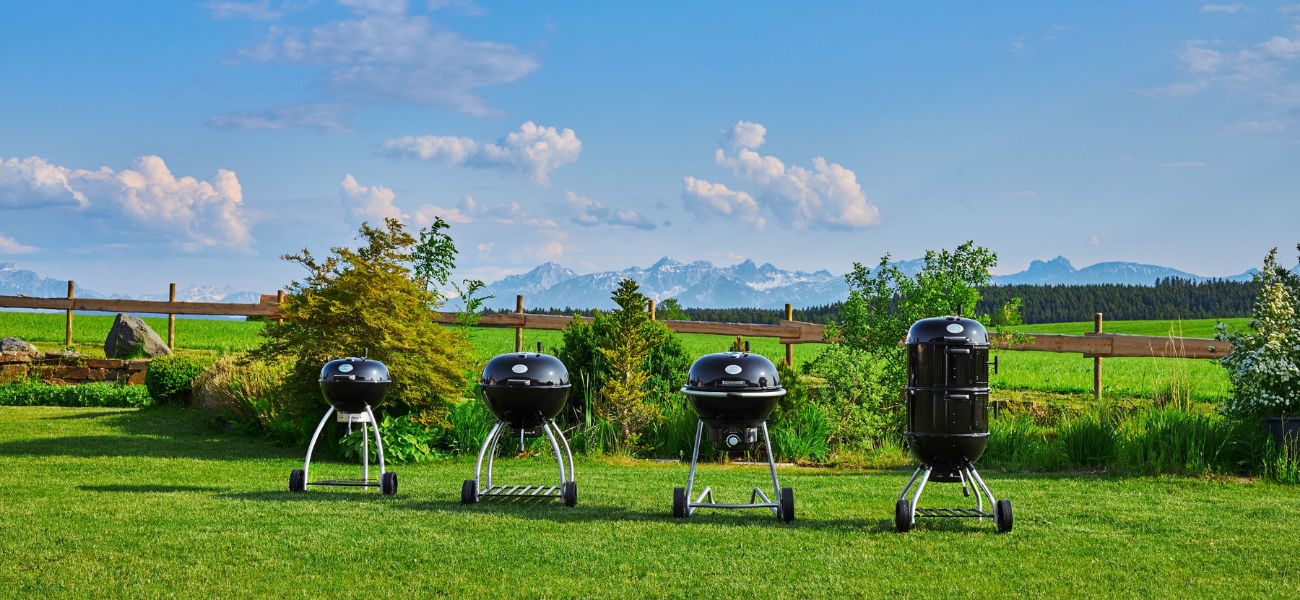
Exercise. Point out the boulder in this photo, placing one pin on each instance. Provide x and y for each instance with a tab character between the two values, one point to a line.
131	337
13	344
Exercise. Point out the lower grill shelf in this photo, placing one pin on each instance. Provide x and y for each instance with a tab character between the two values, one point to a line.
952	512
347	482
522	491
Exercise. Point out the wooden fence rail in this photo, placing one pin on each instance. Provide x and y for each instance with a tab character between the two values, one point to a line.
1095	345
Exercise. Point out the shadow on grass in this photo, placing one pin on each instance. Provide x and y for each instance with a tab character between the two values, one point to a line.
149	488
311	495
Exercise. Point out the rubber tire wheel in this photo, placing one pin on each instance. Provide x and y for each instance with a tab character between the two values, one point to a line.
1003	516
297	480
570	494
468	492
679	503
903	516
388	483
787	504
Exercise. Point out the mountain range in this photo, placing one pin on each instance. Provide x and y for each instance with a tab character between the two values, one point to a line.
15	281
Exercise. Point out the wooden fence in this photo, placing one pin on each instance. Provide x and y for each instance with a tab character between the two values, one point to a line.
1095	345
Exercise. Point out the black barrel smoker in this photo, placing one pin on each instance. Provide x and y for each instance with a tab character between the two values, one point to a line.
947	416
352	386
525	390
733	393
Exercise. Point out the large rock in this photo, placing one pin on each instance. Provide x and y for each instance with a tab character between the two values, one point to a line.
130	337
13	344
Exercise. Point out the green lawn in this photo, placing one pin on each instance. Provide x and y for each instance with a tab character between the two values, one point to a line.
159	503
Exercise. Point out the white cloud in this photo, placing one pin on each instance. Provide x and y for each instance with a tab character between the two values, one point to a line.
385	55
1281	48
1227	8
487	247
9	245
587	212
1230	65
1181	165
1196	58
363	204
460	213
513	214
532	151
1173	90
744	135
1287	94
464	7
1095	241
826	197
145	199
707	200
1263	127
324	118
255	11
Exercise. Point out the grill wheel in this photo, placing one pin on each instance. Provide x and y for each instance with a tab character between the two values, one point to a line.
903	516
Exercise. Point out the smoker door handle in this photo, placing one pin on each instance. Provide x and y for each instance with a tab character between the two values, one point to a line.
994	362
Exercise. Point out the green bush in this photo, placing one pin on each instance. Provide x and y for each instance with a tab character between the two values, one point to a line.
98	394
170	379
405	441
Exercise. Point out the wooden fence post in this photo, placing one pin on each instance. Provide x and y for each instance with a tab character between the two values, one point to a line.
171	319
789	348
519	331
652	309
1096	363
279	301
67	334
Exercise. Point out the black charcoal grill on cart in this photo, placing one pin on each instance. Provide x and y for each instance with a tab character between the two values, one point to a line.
352	386
525	390
947	416
733	393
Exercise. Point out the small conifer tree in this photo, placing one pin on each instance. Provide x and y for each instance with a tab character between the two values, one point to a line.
625	392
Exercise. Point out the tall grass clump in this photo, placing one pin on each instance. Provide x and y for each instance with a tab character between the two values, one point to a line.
1089	440
1019	442
1175	440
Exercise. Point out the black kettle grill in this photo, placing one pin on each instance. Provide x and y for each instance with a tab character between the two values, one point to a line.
525	390
947	416
733	393
352	386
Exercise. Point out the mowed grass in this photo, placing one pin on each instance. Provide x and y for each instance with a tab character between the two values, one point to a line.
98	503
1038	371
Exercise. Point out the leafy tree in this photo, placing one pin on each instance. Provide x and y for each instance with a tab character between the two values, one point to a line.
671	310
366	299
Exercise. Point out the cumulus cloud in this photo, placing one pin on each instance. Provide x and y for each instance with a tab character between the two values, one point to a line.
826	197
1094	241
383	54
487	246
532	151
1216	63
1226	8
323	118
461	213
363	204
146	198
1281	48
744	135
256	11
9	245
587	212
708	200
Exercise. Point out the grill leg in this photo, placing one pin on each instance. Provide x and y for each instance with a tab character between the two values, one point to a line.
379	443
771	463
573	473
915	474
306	465
980	480
979	496
365	449
559	457
925	476
695	457
492	452
491	441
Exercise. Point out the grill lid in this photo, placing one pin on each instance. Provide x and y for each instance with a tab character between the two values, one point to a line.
948	330
738	372
354	369
525	369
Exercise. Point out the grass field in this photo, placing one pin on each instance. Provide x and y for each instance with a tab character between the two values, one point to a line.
1036	371
102	503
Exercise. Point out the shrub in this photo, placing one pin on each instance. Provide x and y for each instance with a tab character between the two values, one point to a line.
98	394
365	299
405	441
1264	364
170	379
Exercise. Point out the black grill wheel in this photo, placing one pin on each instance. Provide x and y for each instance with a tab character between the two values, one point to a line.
903	516
1003	516
468	492
388	483
679	503
297	480
571	494
787	504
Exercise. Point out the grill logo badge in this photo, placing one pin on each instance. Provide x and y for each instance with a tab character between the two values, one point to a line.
732	369
519	368
345	368
955	328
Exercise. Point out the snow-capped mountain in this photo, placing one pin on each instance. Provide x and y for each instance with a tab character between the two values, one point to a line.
15	281
1059	271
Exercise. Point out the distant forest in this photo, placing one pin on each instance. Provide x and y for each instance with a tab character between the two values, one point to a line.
1169	298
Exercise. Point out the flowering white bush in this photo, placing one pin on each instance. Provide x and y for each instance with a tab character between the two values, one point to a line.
1264	365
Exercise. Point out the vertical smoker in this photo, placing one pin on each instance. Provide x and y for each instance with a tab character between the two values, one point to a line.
733	393
352	386
947	416
525	391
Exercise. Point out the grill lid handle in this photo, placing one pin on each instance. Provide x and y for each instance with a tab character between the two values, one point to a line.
517	382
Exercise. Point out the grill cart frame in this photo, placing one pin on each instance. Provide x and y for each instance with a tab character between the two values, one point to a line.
478	488
387	481
782	507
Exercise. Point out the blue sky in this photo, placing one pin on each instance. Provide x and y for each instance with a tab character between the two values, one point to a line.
149	142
